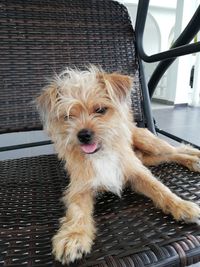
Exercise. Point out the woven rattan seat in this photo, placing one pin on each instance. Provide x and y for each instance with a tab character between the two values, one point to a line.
131	231
38	37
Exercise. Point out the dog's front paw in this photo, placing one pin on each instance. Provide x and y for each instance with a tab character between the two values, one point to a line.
67	247
186	211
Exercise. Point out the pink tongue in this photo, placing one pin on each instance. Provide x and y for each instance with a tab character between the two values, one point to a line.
89	148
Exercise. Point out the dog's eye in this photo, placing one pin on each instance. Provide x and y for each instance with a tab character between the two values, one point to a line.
101	110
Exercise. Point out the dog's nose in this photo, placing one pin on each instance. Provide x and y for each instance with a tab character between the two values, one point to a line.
85	136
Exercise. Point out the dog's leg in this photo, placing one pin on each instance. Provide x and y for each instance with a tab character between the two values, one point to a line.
189	161
144	182
76	233
152	151
148	143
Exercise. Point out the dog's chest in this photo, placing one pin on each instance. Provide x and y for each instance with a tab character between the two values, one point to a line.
108	172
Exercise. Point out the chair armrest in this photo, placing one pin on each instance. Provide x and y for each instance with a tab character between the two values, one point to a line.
180	47
21	146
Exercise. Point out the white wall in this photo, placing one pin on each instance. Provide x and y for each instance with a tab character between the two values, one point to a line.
184	12
164	24
158	29
165	19
195	96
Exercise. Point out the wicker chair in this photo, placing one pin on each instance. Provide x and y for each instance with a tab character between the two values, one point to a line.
37	38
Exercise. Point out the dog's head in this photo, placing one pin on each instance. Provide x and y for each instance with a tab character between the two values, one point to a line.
86	110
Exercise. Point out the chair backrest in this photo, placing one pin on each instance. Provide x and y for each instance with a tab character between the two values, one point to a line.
40	37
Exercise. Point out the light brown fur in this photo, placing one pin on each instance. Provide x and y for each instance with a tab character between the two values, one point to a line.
72	102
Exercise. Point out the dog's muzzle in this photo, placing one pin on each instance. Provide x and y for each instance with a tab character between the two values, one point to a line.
85	136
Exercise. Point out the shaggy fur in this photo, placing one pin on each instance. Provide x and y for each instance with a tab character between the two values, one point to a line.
115	155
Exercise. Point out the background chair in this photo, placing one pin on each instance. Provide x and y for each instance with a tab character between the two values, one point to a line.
41	37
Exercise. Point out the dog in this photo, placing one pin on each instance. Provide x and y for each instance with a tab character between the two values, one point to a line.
88	116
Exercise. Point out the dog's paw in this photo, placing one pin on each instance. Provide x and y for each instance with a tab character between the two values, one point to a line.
196	166
68	247
187	149
187	211
192	163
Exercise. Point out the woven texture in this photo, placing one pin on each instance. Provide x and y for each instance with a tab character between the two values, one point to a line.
41	37
131	231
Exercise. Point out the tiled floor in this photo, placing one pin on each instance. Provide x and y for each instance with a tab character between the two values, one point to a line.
183	122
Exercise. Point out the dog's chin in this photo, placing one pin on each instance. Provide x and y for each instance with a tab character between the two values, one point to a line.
90	148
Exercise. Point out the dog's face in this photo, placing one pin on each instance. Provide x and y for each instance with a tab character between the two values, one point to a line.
86	111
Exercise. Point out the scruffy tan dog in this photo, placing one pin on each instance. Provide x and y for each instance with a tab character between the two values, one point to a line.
87	114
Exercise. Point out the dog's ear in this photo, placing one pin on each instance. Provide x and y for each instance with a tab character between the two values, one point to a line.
118	85
46	101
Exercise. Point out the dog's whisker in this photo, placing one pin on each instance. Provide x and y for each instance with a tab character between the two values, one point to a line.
67	142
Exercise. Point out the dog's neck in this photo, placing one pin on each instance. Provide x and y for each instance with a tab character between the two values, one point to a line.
108	172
